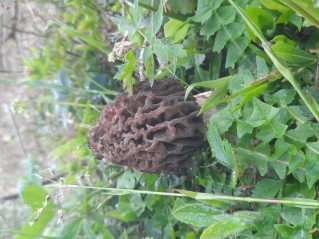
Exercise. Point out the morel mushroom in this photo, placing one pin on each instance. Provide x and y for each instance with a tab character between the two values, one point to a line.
154	130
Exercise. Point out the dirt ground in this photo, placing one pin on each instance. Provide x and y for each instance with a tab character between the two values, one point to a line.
20	22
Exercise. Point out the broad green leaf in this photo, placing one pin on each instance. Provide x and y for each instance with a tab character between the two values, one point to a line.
88	226
43	209
137	16
283	38
312	168
198	215
274	129
266	188
205	9
235	51
261	114
262	157
299	190
298	216
229	32
242	81
175	29
280	169
223	119
262	68
261	163
225	228
292	232
284	96
167	52
71	229
34	196
263	20
306	9
301	133
314	147
129	208
296	159
218	147
155	24
243	128
150	68
292	55
223	16
247	216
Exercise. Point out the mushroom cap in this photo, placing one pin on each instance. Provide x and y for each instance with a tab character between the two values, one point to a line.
154	130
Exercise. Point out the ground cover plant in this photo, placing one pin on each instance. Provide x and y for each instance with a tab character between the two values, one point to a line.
257	174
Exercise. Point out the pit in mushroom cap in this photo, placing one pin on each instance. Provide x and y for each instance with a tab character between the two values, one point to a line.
154	130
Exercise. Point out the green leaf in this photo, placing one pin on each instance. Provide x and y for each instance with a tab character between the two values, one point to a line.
223	16
150	68
223	119
262	113
225	228
314	147
220	83
198	215
43	208
155	24
218	147
229	32
292	232
205	9
263	20
298	216
290	54
306	9
137	16
247	216
301	133
243	128
175	29
167	52
71	229
266	188
296	159
274	129
235	51
312	168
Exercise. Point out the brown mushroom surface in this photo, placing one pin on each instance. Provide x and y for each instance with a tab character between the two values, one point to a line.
154	130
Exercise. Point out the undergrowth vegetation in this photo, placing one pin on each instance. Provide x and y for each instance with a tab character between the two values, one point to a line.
257	177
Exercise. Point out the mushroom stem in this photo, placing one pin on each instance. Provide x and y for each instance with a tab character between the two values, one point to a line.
200	99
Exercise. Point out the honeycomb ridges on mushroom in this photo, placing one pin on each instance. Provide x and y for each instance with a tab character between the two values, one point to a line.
154	130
